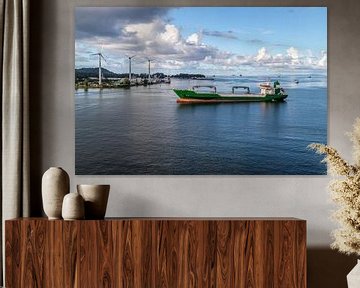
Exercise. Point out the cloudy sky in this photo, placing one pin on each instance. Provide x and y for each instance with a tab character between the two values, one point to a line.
208	40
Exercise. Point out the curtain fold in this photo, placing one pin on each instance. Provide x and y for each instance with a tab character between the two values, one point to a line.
14	111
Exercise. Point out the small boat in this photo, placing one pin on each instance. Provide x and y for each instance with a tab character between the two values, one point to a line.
296	81
268	93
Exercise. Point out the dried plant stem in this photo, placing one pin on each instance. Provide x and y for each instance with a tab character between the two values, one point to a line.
345	192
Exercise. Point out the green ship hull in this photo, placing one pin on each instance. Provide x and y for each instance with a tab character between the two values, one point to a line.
191	96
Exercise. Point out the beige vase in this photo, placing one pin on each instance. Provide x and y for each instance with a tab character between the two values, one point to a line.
96	198
55	185
353	278
73	207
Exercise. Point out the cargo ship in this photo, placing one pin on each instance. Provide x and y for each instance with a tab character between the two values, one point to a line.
268	93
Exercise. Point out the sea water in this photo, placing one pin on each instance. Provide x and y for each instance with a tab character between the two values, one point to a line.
143	131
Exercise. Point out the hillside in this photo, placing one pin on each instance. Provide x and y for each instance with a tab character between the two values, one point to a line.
82	73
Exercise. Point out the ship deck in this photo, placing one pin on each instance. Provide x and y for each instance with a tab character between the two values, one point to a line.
206	101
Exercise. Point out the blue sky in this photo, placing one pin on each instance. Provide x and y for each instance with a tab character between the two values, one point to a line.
208	40
300	27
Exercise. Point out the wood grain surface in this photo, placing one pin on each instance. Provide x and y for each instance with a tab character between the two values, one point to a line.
157	253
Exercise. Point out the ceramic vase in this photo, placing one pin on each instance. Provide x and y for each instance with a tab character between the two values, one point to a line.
96	198
73	207
55	185
353	278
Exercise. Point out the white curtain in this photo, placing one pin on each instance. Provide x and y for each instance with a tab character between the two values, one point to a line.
14	27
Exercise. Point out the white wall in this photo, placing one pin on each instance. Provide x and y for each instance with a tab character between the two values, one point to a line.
298	196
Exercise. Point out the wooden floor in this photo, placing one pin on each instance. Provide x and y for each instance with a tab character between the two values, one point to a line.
170	253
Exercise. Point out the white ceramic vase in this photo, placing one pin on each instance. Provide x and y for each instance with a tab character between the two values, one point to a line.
55	185
96	198
73	207
353	278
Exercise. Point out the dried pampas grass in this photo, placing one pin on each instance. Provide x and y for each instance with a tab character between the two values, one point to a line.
345	191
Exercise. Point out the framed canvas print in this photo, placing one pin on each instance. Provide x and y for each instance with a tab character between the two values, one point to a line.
200	90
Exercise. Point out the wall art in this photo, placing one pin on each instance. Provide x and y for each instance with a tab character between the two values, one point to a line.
200	90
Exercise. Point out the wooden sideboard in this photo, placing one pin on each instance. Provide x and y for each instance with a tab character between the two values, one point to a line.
156	252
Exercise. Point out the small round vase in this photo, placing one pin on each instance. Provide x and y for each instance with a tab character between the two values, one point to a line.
73	207
96	198
55	185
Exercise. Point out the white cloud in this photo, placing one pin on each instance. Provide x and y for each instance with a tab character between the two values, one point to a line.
262	55
141	30
171	34
323	60
194	39
293	54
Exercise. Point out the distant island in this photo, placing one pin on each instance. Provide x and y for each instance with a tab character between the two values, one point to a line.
187	76
83	73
